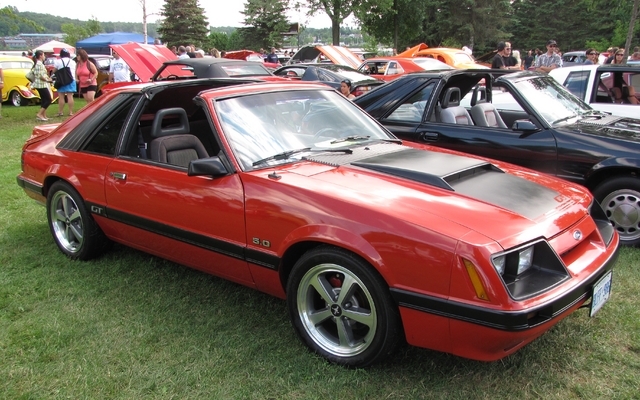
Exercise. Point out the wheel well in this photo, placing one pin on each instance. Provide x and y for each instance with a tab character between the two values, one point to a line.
293	254
48	182
598	177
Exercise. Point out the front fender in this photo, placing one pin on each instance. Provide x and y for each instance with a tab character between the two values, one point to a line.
25	91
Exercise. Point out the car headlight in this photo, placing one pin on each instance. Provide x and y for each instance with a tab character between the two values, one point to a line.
525	260
529	269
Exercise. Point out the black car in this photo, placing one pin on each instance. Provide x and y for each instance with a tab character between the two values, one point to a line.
331	75
526	118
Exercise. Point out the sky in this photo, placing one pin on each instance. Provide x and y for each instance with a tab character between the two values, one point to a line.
218	12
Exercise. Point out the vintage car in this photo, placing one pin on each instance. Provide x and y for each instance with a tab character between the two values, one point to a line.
613	88
291	189
313	54
389	68
457	58
16	87
525	118
573	58
330	75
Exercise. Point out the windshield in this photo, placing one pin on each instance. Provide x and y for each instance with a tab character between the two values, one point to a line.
259	127
552	101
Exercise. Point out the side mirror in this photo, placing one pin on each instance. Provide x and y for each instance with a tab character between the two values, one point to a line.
524	125
211	166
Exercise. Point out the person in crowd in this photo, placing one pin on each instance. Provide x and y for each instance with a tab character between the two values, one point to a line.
1	88
222	53
345	89
182	52
42	84
191	51
86	74
528	60
618	57
498	59
612	55
592	56
549	60
635	56
65	93
503	58
174	50
272	57
119	71
215	53
516	55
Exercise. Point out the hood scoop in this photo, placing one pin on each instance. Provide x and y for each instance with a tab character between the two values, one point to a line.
436	169
467	176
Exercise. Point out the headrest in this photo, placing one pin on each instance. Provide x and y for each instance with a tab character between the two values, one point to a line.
181	128
479	95
451	97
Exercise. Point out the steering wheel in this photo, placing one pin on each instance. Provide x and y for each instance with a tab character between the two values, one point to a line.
172	76
327	132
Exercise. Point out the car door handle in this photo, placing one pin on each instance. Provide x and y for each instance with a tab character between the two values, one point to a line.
429	136
119	175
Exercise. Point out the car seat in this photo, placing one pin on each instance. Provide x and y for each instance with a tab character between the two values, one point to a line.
485	114
452	112
173	144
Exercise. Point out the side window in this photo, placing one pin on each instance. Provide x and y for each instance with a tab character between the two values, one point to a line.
413	108
105	140
576	83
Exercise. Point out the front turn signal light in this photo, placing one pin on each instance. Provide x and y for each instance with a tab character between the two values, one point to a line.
475	280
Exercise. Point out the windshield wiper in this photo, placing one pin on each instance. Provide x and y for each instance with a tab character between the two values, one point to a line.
281	156
565	119
350	138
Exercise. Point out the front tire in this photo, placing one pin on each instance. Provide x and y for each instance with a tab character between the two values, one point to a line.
341	308
620	200
72	226
17	100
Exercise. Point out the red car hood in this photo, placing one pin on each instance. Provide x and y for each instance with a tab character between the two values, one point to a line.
465	194
144	59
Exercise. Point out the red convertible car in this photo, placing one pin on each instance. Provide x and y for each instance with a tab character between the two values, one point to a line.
291	189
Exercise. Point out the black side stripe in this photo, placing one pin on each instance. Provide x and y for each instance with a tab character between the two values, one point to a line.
215	245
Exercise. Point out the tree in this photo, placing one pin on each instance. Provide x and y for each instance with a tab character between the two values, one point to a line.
74	33
184	23
265	21
339	10
11	21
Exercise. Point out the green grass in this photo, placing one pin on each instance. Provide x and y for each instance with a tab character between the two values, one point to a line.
129	325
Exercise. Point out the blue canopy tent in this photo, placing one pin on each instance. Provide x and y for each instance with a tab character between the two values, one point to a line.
100	44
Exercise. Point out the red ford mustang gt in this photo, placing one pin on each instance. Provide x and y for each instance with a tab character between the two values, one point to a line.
293	190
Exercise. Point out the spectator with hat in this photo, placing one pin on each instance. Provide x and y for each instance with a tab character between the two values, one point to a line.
549	60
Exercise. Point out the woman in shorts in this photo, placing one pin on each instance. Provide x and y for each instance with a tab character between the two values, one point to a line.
86	74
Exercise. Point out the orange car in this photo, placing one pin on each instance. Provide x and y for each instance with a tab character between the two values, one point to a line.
457	58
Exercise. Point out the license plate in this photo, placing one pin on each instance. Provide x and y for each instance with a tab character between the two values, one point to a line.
601	292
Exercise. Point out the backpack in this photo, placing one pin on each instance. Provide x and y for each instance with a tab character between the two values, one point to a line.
63	76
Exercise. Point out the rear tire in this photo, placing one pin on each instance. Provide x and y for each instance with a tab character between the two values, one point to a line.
72	226
341	308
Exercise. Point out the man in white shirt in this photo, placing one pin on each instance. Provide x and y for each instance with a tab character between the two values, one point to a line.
119	70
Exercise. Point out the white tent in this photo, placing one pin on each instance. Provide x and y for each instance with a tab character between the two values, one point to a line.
54	44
